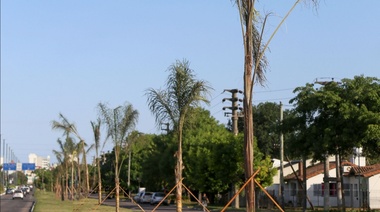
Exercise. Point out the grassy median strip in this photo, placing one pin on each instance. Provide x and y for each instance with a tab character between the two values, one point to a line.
47	202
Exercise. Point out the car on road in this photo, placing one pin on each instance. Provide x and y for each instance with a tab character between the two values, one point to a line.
143	197
18	194
25	190
9	191
157	197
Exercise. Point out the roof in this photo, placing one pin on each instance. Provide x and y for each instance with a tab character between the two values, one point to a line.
315	170
365	171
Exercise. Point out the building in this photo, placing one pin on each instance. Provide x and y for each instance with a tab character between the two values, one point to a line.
41	162
360	184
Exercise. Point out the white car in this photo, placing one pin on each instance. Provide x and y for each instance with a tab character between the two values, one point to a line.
143	197
18	194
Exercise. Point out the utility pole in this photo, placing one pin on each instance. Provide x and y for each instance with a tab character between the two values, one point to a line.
234	107
234	117
281	159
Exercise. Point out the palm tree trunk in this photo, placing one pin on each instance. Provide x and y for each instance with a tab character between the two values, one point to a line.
72	180
67	182
248	119
117	183
87	188
178	171
87	181
99	182
78	185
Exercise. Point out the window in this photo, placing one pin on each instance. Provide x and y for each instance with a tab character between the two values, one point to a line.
346	190
317	189
332	189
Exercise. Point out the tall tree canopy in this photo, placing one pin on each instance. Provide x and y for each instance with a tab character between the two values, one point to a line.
337	117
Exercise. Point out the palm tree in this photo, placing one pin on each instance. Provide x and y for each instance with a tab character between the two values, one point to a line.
255	65
62	160
182	92
65	157
96	131
119	122
70	128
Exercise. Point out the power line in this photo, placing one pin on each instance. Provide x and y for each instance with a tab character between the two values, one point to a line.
270	91
268	100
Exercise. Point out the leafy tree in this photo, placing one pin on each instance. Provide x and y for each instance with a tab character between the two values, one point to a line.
156	161
18	177
212	154
119	122
44	179
336	117
182	92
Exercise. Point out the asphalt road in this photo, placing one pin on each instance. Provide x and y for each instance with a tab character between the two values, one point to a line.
7	204
146	206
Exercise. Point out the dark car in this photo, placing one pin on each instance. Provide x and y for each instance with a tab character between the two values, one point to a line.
9	191
25	191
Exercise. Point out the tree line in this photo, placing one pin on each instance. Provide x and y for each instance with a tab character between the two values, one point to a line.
335	117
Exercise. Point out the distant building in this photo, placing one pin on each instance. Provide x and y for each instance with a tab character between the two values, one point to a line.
41	162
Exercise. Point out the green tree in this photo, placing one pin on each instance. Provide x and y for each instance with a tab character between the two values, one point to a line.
337	117
156	161
212	154
119	122
182	92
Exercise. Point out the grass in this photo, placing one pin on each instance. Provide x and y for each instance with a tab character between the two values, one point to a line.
47	202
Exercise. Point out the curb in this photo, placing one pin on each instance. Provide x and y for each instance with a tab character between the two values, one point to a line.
32	209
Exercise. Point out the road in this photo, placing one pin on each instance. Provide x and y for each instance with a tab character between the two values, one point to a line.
146	206
7	204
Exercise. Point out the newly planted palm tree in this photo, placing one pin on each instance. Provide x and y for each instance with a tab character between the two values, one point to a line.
96	130
182	92
70	128
254	72
65	157
119	121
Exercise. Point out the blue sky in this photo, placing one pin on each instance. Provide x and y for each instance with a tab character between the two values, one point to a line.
67	56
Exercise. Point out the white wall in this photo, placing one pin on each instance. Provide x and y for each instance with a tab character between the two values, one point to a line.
374	195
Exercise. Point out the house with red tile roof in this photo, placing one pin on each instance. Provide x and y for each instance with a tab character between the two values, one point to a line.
365	194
